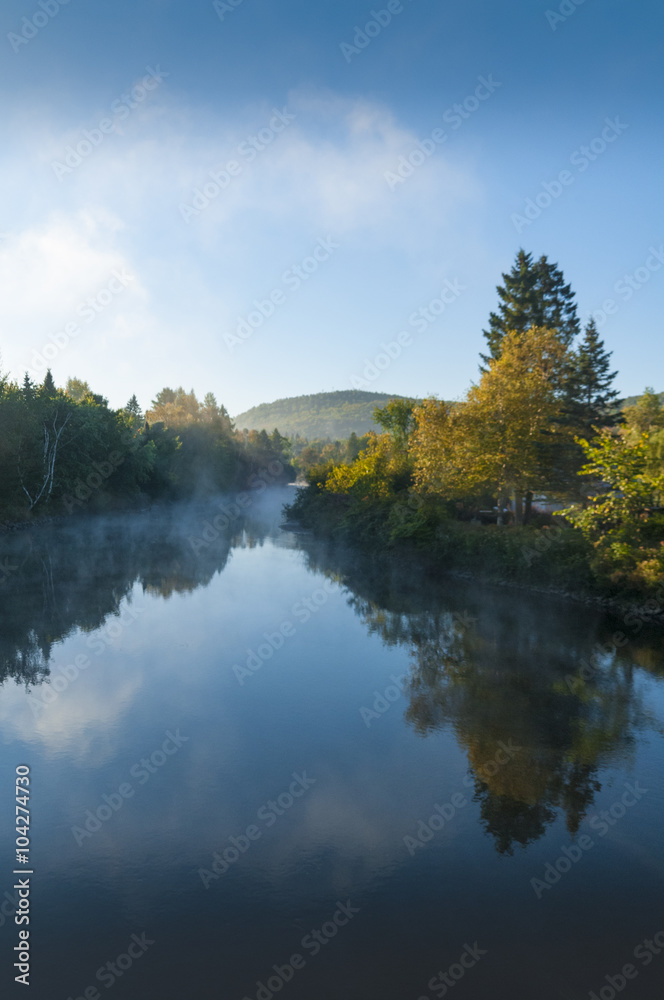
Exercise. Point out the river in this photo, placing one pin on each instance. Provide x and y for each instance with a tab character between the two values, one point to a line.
260	766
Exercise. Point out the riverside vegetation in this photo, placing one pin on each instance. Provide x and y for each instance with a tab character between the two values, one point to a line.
543	421
64	451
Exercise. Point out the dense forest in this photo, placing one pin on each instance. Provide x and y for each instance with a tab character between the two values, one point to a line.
473	483
321	416
64	451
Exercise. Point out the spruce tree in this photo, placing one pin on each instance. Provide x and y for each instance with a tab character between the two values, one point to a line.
133	409
533	294
48	388
592	400
28	388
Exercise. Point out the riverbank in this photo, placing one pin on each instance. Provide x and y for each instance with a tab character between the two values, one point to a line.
551	559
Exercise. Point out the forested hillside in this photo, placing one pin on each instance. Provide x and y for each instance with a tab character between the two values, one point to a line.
333	415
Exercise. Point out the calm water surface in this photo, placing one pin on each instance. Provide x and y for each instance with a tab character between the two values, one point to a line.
275	769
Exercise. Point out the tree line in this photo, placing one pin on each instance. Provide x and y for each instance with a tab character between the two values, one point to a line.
542	420
65	450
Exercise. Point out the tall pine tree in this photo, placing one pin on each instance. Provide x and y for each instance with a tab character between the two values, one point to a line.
28	388
592	398
133	409
533	294
47	389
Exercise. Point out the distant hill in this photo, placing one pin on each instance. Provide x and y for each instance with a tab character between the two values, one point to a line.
631	400
333	415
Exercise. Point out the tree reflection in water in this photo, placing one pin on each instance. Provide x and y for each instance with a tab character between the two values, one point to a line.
75	575
495	666
501	667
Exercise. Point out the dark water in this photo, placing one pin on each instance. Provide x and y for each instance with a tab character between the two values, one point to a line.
315	776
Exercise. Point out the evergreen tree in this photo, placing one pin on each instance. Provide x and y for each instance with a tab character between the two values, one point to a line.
592	400
533	294
210	403
353	448
28	389
133	409
48	388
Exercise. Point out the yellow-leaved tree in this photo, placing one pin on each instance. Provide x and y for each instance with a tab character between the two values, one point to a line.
509	433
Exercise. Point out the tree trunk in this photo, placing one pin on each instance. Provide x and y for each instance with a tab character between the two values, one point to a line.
50	454
518	507
499	517
529	507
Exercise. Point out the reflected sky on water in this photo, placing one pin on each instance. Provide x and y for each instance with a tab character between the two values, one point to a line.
327	730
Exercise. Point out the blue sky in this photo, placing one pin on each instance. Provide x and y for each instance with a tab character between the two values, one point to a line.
310	250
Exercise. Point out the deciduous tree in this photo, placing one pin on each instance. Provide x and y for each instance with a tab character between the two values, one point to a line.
502	437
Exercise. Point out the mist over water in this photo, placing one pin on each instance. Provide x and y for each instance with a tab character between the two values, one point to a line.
248	746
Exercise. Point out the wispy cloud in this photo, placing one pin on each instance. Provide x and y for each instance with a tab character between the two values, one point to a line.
121	209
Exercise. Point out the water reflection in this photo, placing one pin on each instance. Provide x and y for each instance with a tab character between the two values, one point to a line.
499	673
76	574
486	664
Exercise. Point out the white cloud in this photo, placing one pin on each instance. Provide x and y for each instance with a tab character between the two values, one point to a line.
121	210
48	275
80	724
